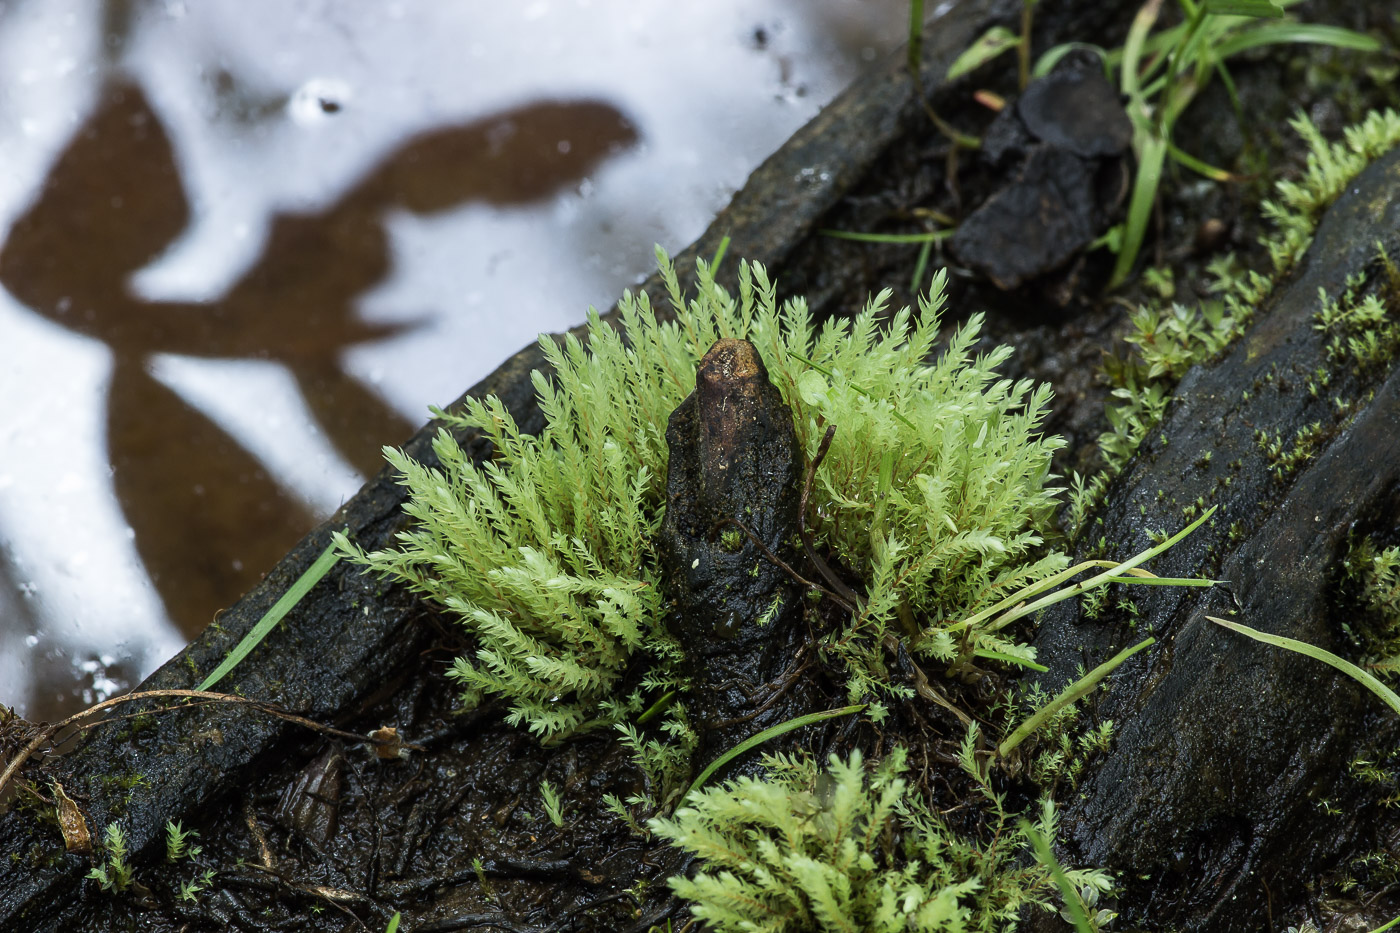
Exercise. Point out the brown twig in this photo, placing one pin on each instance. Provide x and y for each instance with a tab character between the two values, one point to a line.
851	601
782	564
49	731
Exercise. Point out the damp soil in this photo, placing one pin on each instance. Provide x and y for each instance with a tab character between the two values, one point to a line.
305	831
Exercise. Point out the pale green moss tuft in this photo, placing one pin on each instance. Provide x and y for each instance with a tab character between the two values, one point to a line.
835	850
933	493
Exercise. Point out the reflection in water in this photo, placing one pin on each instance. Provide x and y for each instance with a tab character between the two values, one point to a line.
179	304
114	201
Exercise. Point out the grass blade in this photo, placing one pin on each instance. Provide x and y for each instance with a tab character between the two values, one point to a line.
1071	693
1041	845
1149	176
1286	33
1008	659
1365	678
1115	574
764	736
988	46
294	594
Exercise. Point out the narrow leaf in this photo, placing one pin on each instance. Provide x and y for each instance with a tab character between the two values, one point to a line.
1071	693
988	46
1255	8
294	593
769	733
1365	678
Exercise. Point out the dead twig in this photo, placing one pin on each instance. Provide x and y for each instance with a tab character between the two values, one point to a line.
48	732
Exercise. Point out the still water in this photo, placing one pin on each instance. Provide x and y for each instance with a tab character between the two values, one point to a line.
248	242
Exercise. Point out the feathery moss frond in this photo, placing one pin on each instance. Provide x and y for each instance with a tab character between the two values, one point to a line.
836	850
934	492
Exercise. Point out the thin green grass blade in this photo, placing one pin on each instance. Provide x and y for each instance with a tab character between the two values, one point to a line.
1255	8
1041	845
933	236
916	280
986	47
1182	157
769	733
1113	571
1051	56
1163	581
1286	33
1071	693
916	38
294	594
719	254
1365	678
1108	576
1133	47
393	926
1008	659
1149	176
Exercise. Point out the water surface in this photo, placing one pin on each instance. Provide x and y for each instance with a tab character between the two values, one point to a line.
246	243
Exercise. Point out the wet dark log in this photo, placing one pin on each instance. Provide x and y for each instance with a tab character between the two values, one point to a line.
1228	789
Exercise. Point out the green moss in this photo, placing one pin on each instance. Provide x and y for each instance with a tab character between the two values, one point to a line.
934	492
1167	341
838	849
1371	581
1360	327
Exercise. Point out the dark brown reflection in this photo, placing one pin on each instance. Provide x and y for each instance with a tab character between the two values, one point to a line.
207	517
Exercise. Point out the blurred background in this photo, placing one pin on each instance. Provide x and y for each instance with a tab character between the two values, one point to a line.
245	243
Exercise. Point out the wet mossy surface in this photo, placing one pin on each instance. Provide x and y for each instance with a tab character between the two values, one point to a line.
1226	802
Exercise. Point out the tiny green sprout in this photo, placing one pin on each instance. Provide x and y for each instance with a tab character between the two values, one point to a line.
552	806
617	808
177	842
1203	459
480	870
1159	279
189	890
116	875
771	612
731	539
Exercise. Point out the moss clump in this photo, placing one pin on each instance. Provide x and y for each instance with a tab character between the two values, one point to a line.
1372	579
834	850
933	493
1167	343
